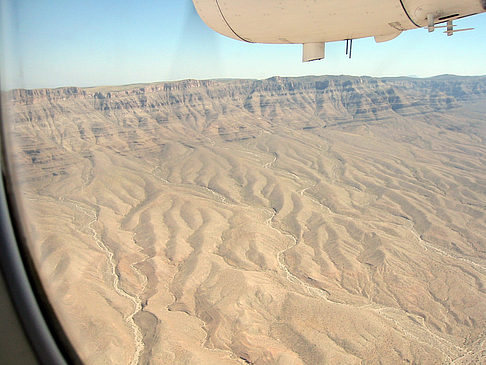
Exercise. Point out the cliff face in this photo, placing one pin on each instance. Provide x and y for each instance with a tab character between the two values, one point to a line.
128	116
321	97
289	220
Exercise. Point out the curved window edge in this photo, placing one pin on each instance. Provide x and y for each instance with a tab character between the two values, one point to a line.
39	322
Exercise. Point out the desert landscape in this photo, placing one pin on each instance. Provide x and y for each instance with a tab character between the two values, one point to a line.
310	220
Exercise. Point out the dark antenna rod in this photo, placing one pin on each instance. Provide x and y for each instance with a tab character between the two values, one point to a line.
349	47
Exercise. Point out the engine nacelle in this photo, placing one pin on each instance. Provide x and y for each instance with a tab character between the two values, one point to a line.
318	21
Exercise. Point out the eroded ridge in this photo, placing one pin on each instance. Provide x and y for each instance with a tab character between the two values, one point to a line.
305	221
110	256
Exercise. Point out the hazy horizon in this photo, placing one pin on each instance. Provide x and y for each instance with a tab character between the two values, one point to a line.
242	78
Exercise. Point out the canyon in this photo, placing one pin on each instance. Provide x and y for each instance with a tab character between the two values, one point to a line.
309	220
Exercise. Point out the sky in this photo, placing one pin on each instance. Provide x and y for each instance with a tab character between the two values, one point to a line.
52	43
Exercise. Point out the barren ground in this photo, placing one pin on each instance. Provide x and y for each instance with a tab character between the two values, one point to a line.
318	220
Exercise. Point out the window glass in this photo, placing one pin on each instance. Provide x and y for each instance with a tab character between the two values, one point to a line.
193	199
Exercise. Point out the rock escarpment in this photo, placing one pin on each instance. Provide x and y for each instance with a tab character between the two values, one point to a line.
289	220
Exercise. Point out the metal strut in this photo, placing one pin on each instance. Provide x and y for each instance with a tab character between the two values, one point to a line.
449	27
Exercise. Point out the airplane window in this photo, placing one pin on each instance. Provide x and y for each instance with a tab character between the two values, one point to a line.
190	188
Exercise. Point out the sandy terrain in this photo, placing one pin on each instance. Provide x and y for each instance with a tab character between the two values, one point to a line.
317	220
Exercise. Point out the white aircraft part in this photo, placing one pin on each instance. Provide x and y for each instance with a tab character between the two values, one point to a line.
210	13
458	30
386	37
301	21
418	10
430	22
319	21
313	51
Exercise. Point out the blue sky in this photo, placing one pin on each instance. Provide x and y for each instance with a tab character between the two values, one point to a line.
54	43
